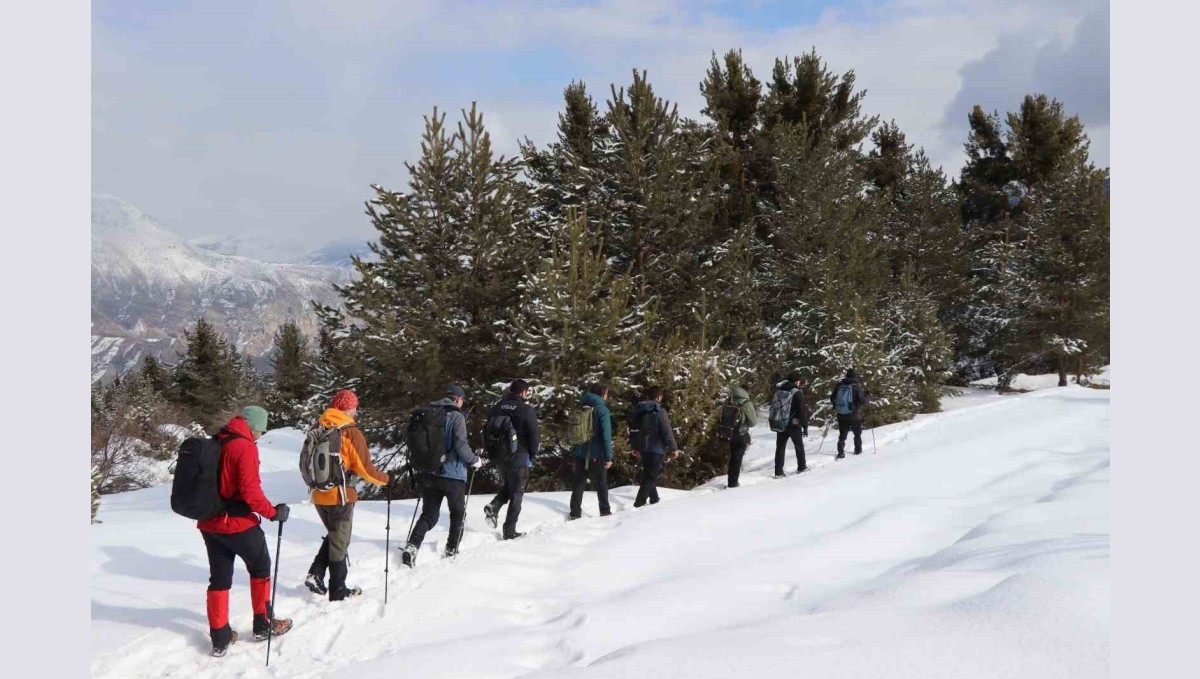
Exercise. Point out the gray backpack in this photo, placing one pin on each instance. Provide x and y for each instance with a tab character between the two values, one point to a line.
321	458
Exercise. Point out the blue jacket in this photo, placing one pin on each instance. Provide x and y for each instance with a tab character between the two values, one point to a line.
525	421
663	440
601	443
458	451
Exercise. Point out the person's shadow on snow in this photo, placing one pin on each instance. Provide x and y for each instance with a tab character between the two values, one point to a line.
134	563
189	624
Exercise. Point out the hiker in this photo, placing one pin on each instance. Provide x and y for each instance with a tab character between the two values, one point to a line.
736	418
789	420
594	457
848	398
236	533
335	506
650	438
449	482
511	419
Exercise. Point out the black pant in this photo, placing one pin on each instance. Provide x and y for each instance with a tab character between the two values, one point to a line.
651	467
455	493
515	478
796	435
249	545
737	450
593	468
846	424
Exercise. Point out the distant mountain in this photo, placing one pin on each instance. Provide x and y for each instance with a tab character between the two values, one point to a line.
148	285
338	252
261	246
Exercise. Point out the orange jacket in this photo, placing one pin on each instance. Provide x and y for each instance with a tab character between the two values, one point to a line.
356	458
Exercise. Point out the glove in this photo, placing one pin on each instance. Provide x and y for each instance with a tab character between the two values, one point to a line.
477	464
281	513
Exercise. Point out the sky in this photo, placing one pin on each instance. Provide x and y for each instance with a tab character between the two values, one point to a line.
247	118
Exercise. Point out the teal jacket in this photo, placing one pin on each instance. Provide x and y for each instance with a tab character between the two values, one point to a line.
601	443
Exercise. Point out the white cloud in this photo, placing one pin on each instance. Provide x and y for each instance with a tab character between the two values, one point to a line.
279	123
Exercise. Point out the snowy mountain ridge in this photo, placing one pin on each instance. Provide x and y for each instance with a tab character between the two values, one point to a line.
148	285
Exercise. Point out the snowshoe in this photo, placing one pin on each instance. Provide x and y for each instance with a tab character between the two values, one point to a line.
408	556
315	584
345	593
489	514
278	628
220	651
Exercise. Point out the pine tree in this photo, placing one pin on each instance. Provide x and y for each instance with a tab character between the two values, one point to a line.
1036	219
156	375
206	379
580	320
439	303
292	382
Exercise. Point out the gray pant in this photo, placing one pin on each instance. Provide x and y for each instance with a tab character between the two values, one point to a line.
338	520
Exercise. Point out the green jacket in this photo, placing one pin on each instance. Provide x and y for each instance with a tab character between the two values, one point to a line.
739	397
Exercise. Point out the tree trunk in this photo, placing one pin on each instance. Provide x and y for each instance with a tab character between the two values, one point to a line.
1062	370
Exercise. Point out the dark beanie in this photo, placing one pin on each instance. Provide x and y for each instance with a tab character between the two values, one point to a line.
850	374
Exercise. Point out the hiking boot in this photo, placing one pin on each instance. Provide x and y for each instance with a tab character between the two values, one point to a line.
450	552
489	515
779	476
514	535
609	513
278	627
572	517
219	651
315	584
345	593
858	452
408	555
841	456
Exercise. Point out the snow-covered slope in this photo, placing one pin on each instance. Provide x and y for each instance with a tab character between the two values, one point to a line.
974	543
148	285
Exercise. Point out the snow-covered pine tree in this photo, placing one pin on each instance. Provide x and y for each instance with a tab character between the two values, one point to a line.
1036	218
579	324
291	384
438	304
206	379
568	172
916	337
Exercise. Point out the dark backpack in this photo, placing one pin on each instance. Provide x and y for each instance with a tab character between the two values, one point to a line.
729	422
500	439
780	415
843	399
426	439
321	458
643	429
196	488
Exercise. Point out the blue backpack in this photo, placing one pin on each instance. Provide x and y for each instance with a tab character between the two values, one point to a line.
843	401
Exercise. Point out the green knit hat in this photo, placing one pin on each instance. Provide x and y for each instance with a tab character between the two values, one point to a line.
256	417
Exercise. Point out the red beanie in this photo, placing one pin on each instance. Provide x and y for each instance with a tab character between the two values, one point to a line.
344	400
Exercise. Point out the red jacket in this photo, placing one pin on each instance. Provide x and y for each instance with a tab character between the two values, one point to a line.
239	480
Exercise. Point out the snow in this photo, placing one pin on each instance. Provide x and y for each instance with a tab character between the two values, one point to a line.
1049	381
973	543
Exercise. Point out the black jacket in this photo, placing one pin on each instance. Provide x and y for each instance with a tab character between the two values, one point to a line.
861	397
525	421
663	438
799	411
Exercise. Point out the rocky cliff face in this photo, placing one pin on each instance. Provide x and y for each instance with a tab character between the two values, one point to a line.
148	285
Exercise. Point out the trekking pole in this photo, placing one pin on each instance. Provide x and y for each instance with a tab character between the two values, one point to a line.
463	528
274	586
874	450
387	544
